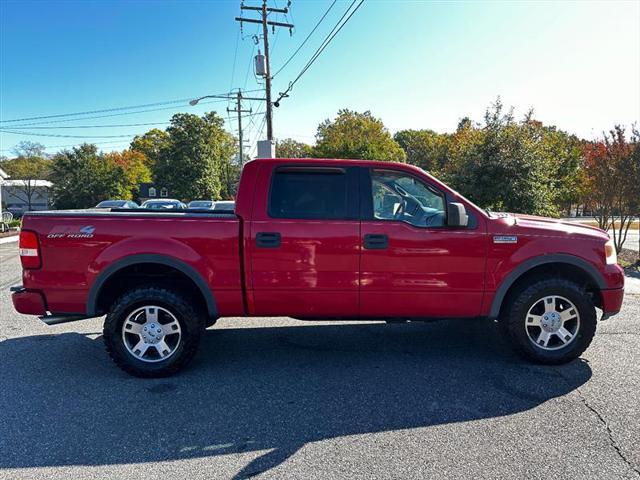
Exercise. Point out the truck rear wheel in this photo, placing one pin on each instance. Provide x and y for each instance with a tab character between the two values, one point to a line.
152	331
551	321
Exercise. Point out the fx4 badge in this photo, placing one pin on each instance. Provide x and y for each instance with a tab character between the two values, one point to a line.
505	239
72	232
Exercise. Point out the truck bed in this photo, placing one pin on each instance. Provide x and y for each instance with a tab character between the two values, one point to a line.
77	246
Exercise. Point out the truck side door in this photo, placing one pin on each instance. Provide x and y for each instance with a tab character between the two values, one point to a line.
304	242
412	264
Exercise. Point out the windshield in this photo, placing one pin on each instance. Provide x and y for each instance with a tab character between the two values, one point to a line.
111	204
224	206
160	205
200	204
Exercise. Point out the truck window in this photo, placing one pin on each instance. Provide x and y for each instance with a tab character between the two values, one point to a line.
311	193
402	197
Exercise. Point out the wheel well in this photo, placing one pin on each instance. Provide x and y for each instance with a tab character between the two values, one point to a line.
144	274
556	270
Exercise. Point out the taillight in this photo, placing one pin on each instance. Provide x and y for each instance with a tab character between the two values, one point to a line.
29	249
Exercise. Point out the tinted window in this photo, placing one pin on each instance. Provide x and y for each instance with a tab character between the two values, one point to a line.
314	193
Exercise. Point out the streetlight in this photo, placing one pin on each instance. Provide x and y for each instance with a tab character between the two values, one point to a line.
195	101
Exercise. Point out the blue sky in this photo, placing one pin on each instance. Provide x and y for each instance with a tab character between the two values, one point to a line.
414	64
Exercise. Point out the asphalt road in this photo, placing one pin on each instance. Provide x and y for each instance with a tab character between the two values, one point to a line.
277	398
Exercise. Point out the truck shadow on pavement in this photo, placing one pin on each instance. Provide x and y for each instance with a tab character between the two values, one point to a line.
260	389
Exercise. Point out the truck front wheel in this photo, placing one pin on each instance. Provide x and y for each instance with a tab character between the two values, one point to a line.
152	331
551	321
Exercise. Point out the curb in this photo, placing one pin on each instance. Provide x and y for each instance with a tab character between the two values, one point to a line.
13	238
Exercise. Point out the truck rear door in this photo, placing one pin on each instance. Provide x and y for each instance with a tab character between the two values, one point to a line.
304	242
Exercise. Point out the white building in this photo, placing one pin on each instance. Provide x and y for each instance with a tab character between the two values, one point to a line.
3	177
14	195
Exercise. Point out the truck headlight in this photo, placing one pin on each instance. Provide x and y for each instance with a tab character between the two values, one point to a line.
610	253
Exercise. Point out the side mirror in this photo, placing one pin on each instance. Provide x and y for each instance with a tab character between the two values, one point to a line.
457	215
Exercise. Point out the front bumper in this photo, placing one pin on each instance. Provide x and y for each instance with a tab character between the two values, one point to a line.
611	301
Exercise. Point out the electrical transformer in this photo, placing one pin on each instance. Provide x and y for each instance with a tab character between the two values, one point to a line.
261	65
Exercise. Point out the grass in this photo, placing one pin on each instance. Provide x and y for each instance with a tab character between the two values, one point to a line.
629	259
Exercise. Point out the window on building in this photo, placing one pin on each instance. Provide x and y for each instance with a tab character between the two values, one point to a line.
152	192
164	192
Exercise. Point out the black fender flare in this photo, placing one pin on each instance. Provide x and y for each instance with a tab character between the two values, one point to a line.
524	267
188	270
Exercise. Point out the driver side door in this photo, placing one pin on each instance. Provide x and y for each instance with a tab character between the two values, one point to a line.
412	265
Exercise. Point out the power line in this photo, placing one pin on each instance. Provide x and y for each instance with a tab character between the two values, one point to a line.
35	134
110	115
235	56
246	77
320	49
260	130
252	124
290	13
252	132
89	112
47	147
91	126
305	40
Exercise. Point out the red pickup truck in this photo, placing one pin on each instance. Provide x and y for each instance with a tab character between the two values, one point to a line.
317	239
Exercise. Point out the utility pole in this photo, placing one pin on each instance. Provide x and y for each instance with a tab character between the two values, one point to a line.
264	11
265	37
240	111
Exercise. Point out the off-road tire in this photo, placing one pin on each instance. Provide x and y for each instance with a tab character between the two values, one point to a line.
515	312
191	320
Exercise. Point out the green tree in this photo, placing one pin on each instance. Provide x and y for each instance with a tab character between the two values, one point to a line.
197	161
81	178
151	144
424	148
562	155
29	166
356	135
290	148
612	167
516	166
136	171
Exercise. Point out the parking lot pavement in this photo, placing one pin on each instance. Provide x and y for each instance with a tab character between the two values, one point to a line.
277	398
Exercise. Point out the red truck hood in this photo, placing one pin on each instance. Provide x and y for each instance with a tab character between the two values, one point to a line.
530	224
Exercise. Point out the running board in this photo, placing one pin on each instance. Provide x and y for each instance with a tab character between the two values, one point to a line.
54	319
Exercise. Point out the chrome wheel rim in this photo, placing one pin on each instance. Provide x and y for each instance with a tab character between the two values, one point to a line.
552	323
151	333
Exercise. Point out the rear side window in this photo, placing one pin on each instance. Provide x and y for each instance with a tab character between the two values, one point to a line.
311	193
